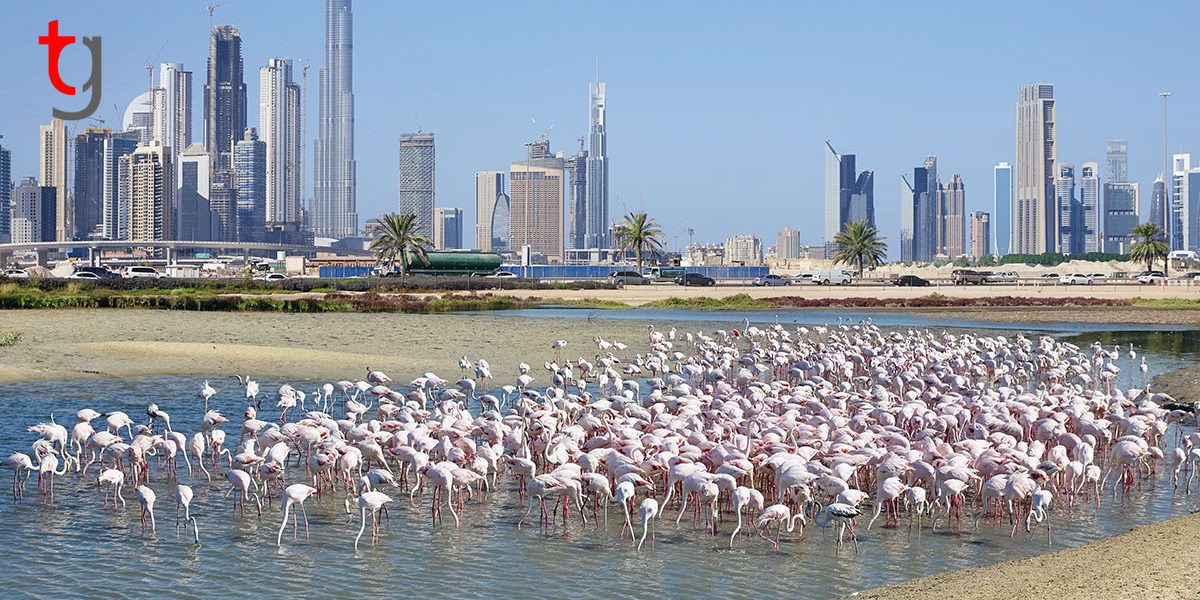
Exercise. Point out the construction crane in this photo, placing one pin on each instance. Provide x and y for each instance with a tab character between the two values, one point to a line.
150	68
211	9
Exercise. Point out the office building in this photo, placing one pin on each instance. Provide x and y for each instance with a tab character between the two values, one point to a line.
416	179
224	96
596	230
536	202
1002	208
1120	215
52	172
138	119
1035	213
6	190
952	218
114	196
1181	164
173	107
150	184
447	228
1189	193
194	217
908	209
33	212
981	235
250	187
788	245
848	198
281	128
744	250
88	188
1117	156
222	201
1067	207
1089	203
1158	204
577	189
489	186
333	208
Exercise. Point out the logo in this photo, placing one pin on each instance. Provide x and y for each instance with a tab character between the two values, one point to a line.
54	44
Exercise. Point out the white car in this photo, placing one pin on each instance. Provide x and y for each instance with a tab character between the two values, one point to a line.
1004	276
136	272
84	275
501	275
16	273
1075	279
1151	278
271	277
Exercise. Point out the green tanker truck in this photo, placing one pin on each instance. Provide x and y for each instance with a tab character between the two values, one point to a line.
442	262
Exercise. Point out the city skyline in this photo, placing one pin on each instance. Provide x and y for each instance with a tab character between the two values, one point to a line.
976	125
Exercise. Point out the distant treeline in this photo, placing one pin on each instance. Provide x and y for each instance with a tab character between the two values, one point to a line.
1052	259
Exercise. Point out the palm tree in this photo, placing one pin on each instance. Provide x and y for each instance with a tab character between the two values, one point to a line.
859	243
396	236
1150	247
640	233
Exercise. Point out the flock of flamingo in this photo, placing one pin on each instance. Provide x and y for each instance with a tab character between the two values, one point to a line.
828	424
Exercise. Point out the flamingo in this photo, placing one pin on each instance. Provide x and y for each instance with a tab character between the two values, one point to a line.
206	392
844	515
648	510
296	494
146	497
376	502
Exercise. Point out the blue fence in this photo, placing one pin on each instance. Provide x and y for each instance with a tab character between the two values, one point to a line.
574	271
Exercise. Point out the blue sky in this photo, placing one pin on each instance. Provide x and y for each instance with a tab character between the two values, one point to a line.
717	111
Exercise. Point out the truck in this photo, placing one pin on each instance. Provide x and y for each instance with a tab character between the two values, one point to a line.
664	273
442	262
830	276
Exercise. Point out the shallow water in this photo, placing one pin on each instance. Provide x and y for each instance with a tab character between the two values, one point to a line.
75	547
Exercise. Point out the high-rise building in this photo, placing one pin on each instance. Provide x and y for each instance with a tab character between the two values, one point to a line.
788	244
952	221
333	208
250	186
224	96
981	235
281	119
501	220
222	201
847	198
1035	214
1089	203
52	172
1120	215
151	192
114	193
1189	192
88	186
416	179
743	250
1002	207
577	186
33	208
173	107
489	185
6	190
1158	203
194	217
908	210
536	202
1181	164
1069	240
138	119
447	228
1117	153
596	232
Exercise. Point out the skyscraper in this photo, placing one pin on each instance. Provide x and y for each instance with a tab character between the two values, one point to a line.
847	198
52	172
416	179
1089	202
151	192
743	250
577	189
1120	215
114	192
1158	203
926	218
536	201
1189	191
1117	152
488	186
908	210
222	201
981	235
173	107
596	232
88	188
33	218
194	217
1002	207
224	96
447	228
1181	164
139	117
5	195
788	244
333	208
1066	202
952	220
281	119
1035	214
250	186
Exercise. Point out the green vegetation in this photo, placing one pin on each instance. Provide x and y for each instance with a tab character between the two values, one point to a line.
735	302
860	244
1151	247
396	236
1053	259
1191	303
640	233
591	303
9	338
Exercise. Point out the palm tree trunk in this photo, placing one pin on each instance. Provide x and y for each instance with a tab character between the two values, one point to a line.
639	259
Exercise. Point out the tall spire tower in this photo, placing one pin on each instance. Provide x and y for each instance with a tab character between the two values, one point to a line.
333	211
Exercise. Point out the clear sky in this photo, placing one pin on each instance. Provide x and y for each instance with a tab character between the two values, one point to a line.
717	111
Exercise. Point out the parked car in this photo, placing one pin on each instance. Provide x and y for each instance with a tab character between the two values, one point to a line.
99	272
1004	276
1075	279
830	276
84	275
628	278
1098	277
16	273
803	277
502	275
771	280
1189	276
271	277
695	279
1151	277
969	277
910	281
140	272
1049	276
